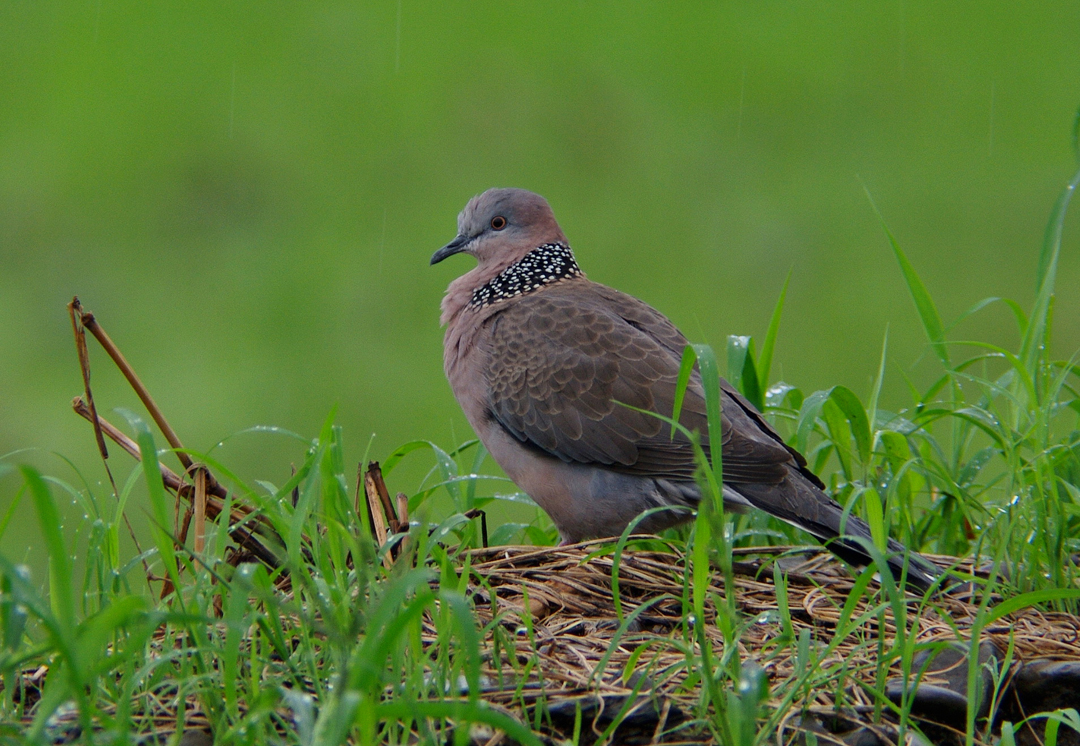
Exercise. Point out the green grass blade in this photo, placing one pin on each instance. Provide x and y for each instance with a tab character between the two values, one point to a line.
401	452
1038	326
1031	598
61	579
875	518
235	606
467	639
742	371
857	418
924	304
99	646
686	368
710	383
1076	134
839	435
764	362
159	507
15	502
875	392
808	414
13	616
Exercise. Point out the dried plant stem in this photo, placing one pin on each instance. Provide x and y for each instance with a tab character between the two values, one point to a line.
214	504
378	507
76	313
87	319
200	510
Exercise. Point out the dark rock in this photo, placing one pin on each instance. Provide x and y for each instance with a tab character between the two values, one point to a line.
941	695
851	731
196	738
1043	686
864	737
598	712
935	703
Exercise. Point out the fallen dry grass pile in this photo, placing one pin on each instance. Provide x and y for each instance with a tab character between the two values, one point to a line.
568	650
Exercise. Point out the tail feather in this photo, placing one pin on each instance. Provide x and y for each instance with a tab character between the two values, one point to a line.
796	500
920	575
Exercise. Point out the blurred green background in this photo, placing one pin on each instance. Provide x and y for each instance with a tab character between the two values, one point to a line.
247	194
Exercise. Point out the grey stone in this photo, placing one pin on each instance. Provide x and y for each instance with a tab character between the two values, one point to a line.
941	694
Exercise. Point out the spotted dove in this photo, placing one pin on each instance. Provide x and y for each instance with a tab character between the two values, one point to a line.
557	374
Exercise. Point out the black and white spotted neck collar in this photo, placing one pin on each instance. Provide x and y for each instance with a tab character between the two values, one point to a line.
544	265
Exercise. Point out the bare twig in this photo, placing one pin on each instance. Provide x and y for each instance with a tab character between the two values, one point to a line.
214	505
359	487
91	324
296	489
376	510
76	313
181	537
200	510
384	494
402	512
171	478
477	513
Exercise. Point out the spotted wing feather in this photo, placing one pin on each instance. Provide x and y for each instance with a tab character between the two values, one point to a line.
569	369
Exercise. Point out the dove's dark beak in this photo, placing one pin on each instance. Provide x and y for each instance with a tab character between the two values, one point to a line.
454	247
